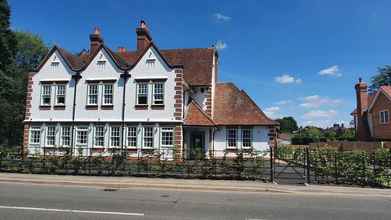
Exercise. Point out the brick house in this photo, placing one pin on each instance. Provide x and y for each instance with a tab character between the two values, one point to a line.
145	102
372	115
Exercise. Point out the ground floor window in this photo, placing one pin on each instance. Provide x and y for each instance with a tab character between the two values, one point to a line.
66	136
51	136
82	136
166	135
115	137
247	137
232	137
132	137
148	137
99	136
35	135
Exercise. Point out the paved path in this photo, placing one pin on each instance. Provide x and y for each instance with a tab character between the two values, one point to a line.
60	202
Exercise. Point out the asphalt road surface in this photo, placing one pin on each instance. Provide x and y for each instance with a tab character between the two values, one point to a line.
32	201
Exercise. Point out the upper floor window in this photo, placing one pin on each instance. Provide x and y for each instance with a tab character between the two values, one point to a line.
35	135
115	136
51	136
99	136
247	137
384	117
92	94
132	137
166	135
66	136
46	91
142	93
60	94
148	137
107	94
232	137
158	93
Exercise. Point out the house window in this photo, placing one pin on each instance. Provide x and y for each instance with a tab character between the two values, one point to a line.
115	136
92	94
232	137
101	64
132	137
51	136
148	137
82	136
247	137
35	135
99	136
150	62
60	95
45	94
107	94
384	117
158	93
142	93
166	135
66	136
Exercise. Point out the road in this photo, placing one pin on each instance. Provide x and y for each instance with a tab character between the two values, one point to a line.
34	201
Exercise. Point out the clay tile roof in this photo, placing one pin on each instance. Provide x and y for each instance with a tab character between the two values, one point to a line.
233	106
386	89
196	116
197	63
74	61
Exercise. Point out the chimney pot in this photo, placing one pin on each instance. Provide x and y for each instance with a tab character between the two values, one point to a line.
95	40
121	49
143	36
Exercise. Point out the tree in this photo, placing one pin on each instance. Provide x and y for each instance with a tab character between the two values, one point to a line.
383	77
7	38
288	124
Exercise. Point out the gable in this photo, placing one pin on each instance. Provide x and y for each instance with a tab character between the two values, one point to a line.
151	62
54	67
101	63
382	102
384	93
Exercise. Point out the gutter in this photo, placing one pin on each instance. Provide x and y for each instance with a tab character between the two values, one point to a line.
125	76
76	77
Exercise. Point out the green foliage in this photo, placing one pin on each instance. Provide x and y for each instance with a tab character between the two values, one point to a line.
311	134
288	124
383	77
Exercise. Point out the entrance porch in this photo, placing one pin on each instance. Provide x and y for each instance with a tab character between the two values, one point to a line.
198	143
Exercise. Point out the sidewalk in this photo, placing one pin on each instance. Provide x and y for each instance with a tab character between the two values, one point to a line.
192	184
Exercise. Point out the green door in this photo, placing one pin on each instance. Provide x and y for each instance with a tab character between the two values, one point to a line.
197	146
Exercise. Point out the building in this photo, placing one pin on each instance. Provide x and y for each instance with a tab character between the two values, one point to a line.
148	102
372	115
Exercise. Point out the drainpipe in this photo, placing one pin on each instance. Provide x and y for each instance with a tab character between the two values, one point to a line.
76	78
125	76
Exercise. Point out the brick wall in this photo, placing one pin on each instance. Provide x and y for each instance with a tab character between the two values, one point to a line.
178	94
381	131
209	101
26	126
178	134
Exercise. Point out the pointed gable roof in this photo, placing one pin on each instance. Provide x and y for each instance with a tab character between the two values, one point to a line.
233	106
386	90
72	61
196	116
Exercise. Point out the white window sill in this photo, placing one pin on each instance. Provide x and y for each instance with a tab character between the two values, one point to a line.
232	148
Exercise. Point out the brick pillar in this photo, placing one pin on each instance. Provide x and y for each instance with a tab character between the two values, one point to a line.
178	142
27	117
209	101
362	131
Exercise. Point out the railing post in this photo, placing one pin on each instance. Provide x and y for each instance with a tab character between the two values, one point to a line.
308	165
271	164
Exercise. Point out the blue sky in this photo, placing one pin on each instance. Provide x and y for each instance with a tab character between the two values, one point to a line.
296	58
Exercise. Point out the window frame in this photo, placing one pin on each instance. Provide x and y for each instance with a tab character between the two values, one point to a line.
81	129
131	133
163	131
89	85
110	94
382	116
228	129
149	137
119	136
43	94
102	137
35	129
138	94
52	136
66	136
161	93
250	138
60	95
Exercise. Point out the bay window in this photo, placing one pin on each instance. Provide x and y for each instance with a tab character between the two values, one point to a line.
82	135
148	137
99	136
115	138
66	136
50	136
132	137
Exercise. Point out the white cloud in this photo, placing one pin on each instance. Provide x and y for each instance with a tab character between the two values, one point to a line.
287	79
220	45
331	71
316	114
221	18
316	101
284	102
272	112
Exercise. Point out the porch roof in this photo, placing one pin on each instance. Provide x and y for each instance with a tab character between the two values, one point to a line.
196	116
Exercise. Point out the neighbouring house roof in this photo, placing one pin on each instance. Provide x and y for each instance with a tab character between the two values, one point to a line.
386	90
195	116
197	62
233	106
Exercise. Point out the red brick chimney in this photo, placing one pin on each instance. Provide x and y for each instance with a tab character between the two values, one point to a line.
362	132
143	36
121	49
95	40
